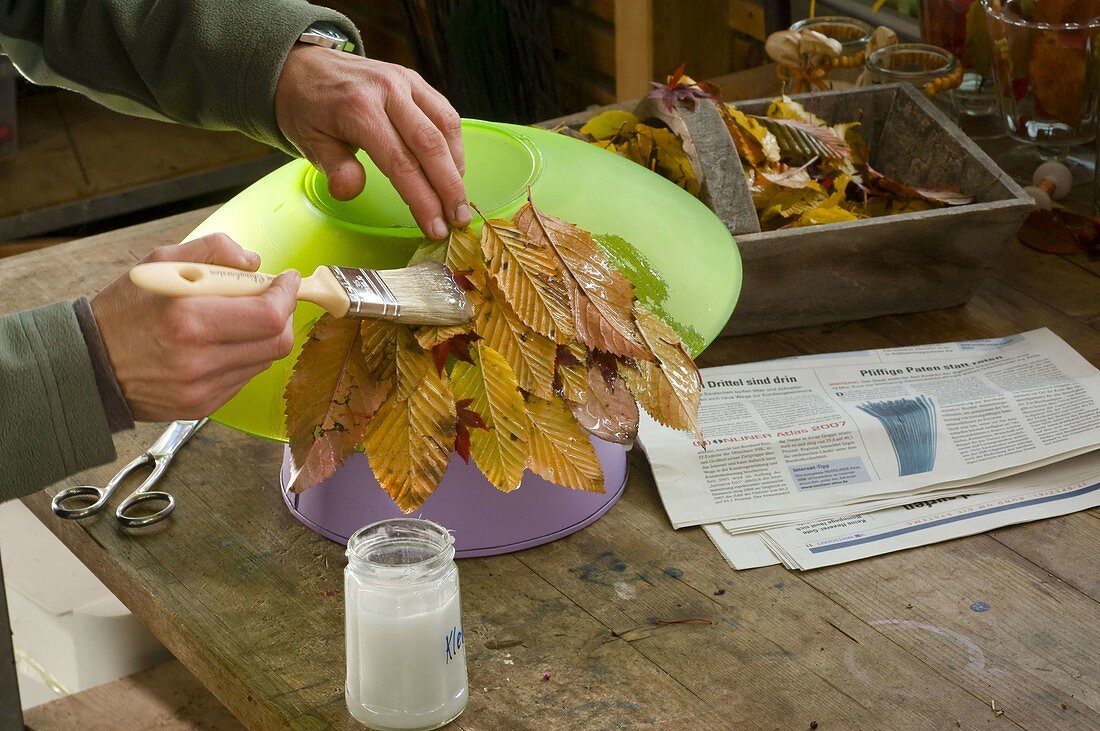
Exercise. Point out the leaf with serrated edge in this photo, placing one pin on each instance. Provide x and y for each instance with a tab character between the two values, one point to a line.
410	440
601	297
501	450
464	252
669	389
560	450
608	411
530	355
573	377
429	250
430	336
342	375
528	274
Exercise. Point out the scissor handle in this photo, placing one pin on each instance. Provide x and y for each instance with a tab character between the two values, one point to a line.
102	495
138	497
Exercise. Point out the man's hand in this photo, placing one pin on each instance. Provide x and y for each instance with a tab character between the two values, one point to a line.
330	104
183	358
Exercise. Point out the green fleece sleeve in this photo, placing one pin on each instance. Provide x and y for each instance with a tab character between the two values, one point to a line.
205	63
52	422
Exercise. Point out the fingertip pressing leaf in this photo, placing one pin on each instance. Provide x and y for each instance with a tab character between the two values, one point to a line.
560	449
341	377
669	388
501	450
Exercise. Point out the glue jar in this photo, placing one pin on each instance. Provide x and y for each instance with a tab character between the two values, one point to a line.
406	664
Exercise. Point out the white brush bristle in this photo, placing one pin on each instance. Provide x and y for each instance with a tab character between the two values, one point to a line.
428	295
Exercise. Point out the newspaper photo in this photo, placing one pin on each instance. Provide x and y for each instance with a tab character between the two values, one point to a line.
812	437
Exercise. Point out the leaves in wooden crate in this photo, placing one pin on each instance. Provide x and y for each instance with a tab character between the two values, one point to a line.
501	450
610	124
601	297
343	374
608	411
669	389
662	151
528	274
824	214
410	440
791	177
786	108
881	184
681	89
801	141
571	378
560	450
755	144
529	354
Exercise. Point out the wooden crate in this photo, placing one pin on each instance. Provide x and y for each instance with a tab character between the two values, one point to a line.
893	264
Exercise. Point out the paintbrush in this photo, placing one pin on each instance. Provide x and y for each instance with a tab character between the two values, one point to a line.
425	294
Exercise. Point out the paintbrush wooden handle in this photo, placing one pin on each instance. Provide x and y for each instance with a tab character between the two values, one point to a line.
187	279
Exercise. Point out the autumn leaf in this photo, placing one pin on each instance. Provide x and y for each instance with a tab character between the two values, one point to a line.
662	151
679	89
528	275
601	297
501	450
464	252
429	250
754	142
343	374
410	440
560	450
879	183
467	419
608	411
791	177
669	389
571	377
801	141
458	346
529	354
430	336
610	124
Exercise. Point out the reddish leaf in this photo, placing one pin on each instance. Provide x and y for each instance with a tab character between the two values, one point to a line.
609	411
467	419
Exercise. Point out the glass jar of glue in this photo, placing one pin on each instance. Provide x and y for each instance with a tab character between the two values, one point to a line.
406	665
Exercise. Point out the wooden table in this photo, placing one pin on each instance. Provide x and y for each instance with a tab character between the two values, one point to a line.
251	602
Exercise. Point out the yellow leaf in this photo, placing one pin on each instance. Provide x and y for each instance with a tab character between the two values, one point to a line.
785	108
574	376
609	124
410	440
560	450
825	214
500	450
753	139
529	354
343	374
430	336
528	275
665	151
429	250
601	297
669	388
464	252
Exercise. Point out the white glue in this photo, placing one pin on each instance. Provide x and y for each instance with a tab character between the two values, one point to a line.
406	660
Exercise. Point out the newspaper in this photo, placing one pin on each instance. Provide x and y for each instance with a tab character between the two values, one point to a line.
809	438
1047	492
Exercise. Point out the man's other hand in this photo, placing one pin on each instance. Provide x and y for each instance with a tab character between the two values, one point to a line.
182	358
330	104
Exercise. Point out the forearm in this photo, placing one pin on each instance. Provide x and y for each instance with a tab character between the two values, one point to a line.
52	418
206	63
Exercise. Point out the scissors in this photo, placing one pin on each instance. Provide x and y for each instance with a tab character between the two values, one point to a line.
159	455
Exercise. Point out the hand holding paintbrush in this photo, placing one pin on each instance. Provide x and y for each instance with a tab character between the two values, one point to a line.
424	294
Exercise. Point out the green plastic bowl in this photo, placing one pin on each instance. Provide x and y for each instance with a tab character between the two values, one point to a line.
680	256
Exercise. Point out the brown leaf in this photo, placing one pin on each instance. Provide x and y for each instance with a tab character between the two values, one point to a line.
879	183
528	274
430	336
608	410
530	355
560	450
669	389
343	374
601	297
410	440
501	450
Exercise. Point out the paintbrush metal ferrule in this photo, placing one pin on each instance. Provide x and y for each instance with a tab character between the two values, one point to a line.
425	294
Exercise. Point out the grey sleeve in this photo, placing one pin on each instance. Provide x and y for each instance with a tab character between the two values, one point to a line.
205	63
52	421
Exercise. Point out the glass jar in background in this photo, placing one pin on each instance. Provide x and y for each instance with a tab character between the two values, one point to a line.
959	26
852	33
406	665
929	68
1046	65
